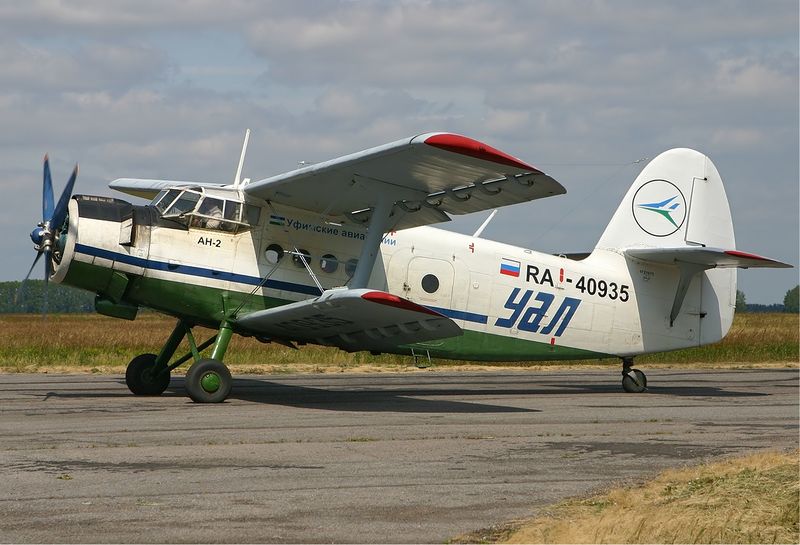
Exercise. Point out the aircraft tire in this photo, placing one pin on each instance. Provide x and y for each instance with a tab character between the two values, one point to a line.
142	378
208	381
634	384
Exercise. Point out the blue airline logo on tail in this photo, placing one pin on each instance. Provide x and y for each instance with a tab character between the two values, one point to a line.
664	208
659	208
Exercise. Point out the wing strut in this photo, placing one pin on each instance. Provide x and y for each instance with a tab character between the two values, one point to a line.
378	225
237	182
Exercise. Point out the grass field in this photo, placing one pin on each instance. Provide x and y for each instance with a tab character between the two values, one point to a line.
753	499
94	343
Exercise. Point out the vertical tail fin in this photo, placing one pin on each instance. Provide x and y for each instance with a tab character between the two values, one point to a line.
677	200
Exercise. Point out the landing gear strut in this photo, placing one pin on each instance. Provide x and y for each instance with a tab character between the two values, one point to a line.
634	381
207	380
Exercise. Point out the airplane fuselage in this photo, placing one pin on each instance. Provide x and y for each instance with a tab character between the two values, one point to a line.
512	303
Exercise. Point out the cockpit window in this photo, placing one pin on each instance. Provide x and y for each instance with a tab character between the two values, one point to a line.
158	197
184	203
211	207
233	210
209	214
165	198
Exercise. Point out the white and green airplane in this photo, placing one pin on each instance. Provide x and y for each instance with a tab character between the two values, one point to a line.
340	253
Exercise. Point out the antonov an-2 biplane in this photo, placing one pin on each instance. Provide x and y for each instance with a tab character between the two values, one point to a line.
340	253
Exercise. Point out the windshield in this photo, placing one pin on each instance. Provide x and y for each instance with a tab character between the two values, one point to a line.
184	203
164	199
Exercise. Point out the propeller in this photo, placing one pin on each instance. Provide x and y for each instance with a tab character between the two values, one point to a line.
45	235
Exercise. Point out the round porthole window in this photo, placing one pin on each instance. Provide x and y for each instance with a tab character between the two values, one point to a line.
273	254
299	262
328	263
430	283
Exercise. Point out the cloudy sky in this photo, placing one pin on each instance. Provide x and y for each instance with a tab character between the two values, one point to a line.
583	90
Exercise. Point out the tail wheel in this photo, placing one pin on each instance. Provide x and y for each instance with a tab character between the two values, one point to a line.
208	381
634	381
144	377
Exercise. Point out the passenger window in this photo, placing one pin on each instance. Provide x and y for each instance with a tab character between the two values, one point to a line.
298	260
329	263
430	283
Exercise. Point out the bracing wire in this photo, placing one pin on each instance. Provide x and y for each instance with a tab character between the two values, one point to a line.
597	188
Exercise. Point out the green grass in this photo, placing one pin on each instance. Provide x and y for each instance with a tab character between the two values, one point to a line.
94	343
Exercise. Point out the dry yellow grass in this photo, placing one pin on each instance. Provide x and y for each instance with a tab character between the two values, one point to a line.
741	500
753	337
95	343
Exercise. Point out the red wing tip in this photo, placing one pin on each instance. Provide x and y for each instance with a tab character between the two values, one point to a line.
737	253
472	148
388	299
755	257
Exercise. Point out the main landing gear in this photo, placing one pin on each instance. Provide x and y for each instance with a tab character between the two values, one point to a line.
634	381
208	380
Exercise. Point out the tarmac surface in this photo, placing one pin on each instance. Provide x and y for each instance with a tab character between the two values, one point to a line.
419	457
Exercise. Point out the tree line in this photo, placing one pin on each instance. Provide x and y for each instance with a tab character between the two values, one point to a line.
790	303
66	299
32	298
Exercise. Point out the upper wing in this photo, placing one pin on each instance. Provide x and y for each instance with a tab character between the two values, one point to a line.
352	319
427	177
148	189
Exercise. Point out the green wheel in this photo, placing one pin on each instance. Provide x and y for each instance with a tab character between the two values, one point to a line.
208	381
144	377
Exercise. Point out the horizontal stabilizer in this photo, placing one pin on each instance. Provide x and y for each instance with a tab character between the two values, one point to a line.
691	260
351	319
707	258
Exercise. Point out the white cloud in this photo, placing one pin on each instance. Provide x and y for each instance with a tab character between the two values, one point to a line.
110	67
145	88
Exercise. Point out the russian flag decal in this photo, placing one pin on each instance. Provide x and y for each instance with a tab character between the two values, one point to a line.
509	267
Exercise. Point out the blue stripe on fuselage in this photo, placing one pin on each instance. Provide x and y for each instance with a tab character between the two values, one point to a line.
202	272
191	270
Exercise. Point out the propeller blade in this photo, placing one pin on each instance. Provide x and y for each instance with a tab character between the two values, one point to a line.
47	191
36	260
61	208
46	306
21	288
47	267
